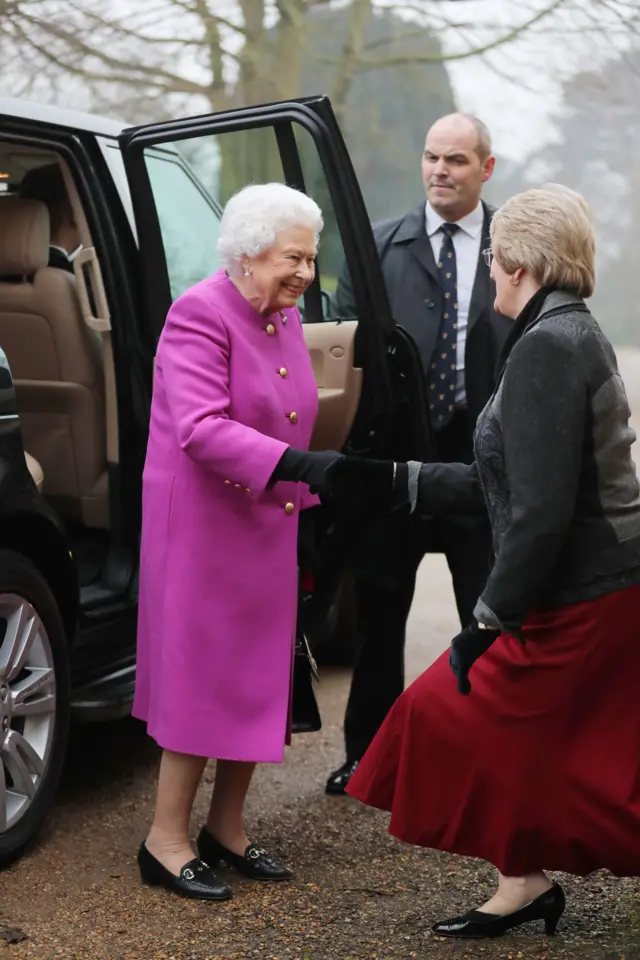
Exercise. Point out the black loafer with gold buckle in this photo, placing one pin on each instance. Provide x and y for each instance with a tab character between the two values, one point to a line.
255	863
196	879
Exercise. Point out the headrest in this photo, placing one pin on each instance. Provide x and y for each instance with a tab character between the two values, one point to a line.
24	236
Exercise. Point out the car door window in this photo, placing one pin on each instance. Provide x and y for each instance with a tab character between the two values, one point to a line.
298	143
189	222
333	270
189	204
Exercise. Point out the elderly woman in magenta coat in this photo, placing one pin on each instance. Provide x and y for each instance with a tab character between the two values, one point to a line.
226	475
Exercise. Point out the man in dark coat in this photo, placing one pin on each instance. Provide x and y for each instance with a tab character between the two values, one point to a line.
440	291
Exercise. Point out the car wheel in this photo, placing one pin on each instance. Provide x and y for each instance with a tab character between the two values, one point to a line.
34	701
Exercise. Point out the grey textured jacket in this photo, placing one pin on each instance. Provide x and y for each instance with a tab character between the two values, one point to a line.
554	470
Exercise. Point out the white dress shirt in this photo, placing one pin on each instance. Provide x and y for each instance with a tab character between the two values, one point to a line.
466	243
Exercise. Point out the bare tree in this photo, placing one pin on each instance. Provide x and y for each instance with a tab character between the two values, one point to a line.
225	52
161	58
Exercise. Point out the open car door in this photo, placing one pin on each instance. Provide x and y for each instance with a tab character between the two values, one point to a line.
182	172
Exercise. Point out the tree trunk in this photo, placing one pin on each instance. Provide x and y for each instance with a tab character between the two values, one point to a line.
359	13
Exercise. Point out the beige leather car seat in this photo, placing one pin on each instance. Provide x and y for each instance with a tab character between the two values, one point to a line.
56	366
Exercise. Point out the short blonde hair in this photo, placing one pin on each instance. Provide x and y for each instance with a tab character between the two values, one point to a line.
549	232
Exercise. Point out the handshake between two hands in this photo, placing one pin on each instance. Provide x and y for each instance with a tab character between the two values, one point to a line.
356	482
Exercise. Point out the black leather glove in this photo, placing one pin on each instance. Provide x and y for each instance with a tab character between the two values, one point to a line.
465	650
381	484
305	466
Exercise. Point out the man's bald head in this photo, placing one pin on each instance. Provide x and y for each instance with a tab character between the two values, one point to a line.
456	162
467	122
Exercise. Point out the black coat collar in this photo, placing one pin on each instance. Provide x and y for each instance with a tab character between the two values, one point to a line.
413	226
412	231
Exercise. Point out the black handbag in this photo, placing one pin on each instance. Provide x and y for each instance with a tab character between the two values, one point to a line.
305	715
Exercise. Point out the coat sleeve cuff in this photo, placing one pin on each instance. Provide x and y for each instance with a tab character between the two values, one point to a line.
484	614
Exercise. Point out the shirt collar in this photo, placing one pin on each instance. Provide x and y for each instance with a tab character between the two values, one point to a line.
471	224
55	246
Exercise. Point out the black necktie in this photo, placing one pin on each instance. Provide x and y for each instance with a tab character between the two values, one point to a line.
442	374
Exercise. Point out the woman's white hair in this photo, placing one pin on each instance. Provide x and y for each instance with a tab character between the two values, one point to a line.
255	215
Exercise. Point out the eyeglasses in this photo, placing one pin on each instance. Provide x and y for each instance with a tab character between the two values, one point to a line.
488	256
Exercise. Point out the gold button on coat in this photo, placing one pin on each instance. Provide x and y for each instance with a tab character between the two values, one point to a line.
228	482
292	417
284	373
289	508
271	329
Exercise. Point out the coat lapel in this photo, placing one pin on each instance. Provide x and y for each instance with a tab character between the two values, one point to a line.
413	232
481	295
423	325
423	252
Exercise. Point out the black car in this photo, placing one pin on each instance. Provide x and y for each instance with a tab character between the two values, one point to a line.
76	379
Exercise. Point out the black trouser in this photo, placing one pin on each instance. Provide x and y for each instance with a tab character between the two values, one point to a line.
384	594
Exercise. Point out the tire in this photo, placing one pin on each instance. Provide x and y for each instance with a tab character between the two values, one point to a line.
35	694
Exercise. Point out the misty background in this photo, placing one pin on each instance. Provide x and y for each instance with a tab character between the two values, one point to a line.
557	81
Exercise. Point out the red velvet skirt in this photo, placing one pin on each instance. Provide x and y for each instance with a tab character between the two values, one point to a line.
539	767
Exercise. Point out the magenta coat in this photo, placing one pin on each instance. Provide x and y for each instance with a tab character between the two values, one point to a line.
218	567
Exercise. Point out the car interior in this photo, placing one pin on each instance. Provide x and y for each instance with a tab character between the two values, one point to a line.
55	350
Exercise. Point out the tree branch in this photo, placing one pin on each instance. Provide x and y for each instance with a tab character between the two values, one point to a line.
626	22
150	75
79	46
133	34
421	31
183	5
380	64
351	57
136	18
215	53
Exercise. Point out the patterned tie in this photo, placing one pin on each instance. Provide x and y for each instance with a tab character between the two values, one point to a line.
442	375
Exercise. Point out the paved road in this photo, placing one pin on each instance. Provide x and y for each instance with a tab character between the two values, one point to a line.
357	893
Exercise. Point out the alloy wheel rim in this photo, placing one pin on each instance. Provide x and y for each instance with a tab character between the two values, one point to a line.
27	707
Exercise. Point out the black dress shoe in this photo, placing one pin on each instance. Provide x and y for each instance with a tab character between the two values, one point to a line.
474	925
337	782
196	880
255	863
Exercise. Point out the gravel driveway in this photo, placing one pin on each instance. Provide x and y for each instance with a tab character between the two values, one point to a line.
357	893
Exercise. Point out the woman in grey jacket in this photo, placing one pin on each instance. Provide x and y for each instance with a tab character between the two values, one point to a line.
536	765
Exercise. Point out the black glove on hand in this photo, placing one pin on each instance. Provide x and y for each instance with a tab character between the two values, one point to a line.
465	650
305	466
382	484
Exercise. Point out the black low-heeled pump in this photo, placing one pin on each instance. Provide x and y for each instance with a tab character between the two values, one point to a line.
255	863
474	925
339	780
